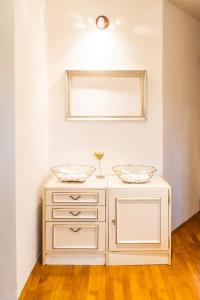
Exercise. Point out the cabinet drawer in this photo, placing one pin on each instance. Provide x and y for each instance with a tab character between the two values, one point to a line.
60	213
71	197
78	236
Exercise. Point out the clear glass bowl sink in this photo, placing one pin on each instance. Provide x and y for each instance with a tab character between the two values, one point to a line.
73	173
134	173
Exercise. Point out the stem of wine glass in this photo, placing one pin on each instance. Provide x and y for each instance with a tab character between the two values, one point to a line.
99	168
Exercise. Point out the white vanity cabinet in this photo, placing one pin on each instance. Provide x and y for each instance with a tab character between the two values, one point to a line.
106	221
74	222
139	222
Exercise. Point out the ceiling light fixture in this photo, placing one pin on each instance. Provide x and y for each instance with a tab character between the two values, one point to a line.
102	22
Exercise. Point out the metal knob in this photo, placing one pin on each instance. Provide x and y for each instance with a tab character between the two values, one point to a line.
75	197
75	213
75	229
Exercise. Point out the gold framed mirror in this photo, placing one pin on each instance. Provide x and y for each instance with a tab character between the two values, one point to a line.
106	95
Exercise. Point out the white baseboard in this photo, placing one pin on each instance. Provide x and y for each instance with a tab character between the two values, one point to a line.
138	259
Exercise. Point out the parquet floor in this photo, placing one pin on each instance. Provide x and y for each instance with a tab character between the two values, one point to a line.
181	281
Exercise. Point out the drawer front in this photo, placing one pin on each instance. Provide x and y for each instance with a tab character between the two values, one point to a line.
75	236
60	213
72	197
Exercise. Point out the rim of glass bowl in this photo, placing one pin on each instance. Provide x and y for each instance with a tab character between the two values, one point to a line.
56	168
153	169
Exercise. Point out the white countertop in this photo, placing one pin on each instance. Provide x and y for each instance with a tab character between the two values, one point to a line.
112	182
91	183
156	181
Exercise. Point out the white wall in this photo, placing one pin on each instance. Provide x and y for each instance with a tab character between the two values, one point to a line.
31	110
7	178
182	111
73	43
136	43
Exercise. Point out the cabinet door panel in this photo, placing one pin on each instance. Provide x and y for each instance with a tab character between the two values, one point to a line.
138	220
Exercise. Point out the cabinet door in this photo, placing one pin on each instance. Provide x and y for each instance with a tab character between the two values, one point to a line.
138	219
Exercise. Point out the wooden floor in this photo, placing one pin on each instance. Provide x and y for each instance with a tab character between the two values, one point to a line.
179	281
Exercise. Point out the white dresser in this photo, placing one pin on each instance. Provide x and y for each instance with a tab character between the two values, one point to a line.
74	222
106	221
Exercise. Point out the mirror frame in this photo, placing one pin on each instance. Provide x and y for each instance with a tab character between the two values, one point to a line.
142	74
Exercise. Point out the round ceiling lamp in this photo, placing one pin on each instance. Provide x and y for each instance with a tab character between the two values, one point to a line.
102	22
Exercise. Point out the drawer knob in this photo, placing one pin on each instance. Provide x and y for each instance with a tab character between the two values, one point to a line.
75	229
113	222
75	213
75	197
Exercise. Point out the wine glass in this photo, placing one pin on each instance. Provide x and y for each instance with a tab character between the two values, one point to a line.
99	155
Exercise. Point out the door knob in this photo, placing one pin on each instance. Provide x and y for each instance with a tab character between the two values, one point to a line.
113	222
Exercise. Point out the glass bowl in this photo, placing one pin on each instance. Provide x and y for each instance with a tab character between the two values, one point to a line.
134	173
73	173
